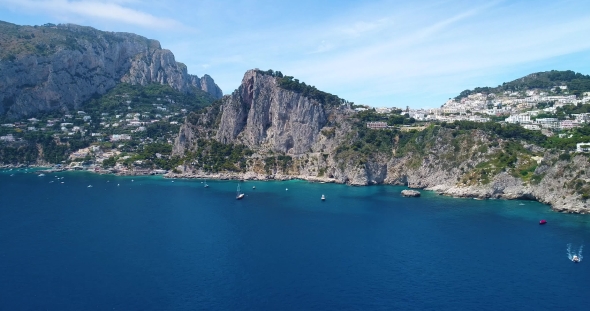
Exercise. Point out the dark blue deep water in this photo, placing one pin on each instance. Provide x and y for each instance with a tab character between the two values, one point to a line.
131	243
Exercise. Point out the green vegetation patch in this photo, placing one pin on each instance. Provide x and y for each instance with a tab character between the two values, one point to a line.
309	91
213	156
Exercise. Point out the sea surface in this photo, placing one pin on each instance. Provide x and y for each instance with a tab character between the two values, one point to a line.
149	243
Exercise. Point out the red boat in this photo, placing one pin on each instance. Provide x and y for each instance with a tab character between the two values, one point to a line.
542	222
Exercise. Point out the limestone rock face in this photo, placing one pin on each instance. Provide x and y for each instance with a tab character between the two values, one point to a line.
261	114
208	85
89	63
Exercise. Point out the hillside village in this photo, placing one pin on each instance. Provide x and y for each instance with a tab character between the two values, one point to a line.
530	109
120	134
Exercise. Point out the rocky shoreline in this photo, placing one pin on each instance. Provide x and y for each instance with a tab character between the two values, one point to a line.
480	192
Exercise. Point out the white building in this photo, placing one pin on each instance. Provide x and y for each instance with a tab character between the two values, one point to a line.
117	137
8	137
583	147
532	127
377	125
520	118
568	124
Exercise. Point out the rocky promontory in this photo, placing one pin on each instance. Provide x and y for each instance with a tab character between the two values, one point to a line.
292	135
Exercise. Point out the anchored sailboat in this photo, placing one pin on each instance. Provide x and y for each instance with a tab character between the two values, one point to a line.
239	194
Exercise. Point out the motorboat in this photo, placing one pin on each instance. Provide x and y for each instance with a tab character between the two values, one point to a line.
576	258
542	222
323	197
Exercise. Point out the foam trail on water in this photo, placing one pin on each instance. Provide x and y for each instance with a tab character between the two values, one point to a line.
571	254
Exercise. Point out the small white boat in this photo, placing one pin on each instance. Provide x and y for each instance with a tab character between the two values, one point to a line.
206	185
323	198
41	175
253	187
89	186
576	258
239	194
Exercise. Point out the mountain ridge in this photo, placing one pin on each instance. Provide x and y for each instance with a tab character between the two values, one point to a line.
575	83
60	67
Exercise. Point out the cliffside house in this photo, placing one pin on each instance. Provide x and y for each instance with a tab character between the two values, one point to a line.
117	137
377	125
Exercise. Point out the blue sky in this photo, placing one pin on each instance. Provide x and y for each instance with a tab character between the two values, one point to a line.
377	53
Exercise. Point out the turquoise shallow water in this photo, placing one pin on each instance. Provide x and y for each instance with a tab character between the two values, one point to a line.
147	243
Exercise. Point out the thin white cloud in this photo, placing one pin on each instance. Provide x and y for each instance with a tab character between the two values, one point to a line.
109	11
434	56
375	52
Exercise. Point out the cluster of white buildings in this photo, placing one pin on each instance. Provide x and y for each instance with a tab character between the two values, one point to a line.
516	106
8	138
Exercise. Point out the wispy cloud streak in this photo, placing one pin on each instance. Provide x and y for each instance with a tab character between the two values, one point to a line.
113	11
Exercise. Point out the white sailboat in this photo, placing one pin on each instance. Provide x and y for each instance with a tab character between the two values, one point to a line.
323	198
206	185
239	194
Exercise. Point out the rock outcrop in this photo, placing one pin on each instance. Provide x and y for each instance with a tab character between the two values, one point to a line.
60	67
410	193
260	114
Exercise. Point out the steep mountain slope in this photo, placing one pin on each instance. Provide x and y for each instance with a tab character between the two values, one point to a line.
59	67
266	131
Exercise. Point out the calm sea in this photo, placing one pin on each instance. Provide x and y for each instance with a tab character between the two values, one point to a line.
148	243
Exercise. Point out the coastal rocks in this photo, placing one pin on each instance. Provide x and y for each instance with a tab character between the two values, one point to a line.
410	193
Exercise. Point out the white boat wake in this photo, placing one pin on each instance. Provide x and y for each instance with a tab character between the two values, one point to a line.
571	254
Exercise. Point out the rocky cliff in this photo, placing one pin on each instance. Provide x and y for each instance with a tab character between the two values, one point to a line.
293	136
260	114
61	66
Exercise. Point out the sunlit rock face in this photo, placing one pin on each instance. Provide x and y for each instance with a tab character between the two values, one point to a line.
61	67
